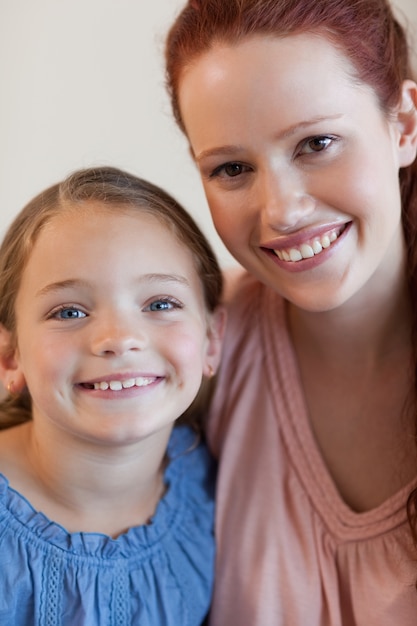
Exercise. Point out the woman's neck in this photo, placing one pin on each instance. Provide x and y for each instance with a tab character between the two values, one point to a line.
353	364
374	323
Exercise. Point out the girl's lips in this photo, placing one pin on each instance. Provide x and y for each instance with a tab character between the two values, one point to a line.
118	384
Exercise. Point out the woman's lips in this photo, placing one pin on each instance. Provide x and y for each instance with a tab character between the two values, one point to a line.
309	248
300	254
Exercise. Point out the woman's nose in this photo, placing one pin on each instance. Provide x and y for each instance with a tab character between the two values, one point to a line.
284	201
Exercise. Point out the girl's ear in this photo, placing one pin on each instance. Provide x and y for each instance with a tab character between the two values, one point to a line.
215	332
11	375
407	123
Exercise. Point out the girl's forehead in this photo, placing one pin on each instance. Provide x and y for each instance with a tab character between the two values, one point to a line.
95	211
100	224
102	241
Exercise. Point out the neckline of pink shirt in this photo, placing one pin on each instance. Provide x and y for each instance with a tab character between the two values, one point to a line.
342	522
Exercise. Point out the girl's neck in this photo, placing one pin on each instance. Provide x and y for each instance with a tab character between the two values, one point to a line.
88	488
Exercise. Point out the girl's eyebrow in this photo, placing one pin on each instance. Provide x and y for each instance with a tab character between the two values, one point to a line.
167	278
80	283
61	285
287	132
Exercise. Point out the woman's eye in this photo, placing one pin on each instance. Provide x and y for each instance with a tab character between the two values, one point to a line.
316	144
229	170
68	313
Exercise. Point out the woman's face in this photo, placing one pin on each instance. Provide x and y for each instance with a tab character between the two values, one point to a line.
299	165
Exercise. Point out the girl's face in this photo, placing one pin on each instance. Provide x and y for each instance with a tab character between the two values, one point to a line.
113	336
299	165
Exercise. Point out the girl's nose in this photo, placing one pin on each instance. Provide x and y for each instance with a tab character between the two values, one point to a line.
284	201
118	337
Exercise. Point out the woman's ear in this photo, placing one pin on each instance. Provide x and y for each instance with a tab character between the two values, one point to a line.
407	123
11	375
215	333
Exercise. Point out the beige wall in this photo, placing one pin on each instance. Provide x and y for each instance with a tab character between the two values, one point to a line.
81	84
407	12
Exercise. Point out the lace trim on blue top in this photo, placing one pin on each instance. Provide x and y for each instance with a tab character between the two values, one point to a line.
160	573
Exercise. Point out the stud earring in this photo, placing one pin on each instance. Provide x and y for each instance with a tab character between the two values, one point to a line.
10	389
211	372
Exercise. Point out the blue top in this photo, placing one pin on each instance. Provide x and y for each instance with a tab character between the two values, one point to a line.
159	574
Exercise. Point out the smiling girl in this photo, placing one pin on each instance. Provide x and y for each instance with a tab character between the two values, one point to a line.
301	118
109	321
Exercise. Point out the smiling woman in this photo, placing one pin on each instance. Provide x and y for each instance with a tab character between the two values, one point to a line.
110	319
302	120
306	195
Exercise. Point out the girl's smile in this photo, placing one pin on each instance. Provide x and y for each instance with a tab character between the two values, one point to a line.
123	383
111	387
111	312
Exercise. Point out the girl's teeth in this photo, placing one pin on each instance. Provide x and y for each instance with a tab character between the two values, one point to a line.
118	385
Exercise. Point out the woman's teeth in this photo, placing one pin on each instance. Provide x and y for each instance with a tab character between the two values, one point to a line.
308	250
118	385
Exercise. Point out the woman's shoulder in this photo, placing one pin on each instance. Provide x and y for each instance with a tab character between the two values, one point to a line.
237	282
254	311
243	291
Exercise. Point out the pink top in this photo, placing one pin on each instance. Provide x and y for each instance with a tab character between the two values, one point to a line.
290	551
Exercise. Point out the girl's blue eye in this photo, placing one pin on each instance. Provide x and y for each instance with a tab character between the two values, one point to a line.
69	313
161	305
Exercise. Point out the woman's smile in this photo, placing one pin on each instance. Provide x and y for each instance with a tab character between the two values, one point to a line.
292	170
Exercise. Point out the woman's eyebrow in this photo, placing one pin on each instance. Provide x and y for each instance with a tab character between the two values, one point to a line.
287	132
